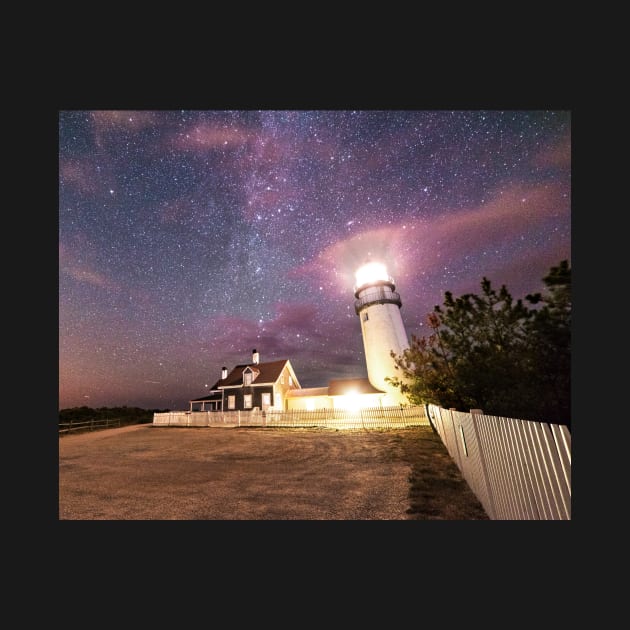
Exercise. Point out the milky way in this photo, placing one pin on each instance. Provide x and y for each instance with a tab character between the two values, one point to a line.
189	238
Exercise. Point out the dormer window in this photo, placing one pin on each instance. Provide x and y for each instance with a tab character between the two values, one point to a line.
249	375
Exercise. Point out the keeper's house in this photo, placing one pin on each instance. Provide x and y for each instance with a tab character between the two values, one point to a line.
250	386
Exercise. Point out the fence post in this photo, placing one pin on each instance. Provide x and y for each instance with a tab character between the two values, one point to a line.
451	413
429	418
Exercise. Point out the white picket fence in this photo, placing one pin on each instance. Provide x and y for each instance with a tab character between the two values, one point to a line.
518	469
370	418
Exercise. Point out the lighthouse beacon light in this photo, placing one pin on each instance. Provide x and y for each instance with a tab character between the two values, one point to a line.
371	272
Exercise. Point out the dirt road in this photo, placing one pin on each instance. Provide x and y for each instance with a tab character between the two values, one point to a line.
145	472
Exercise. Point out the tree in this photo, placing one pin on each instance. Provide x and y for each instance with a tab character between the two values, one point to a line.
494	353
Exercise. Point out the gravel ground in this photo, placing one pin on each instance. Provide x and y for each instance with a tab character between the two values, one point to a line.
146	472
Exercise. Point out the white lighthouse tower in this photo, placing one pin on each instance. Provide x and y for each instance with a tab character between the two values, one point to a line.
378	306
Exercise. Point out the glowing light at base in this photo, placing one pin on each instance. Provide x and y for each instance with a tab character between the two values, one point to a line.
371	272
351	401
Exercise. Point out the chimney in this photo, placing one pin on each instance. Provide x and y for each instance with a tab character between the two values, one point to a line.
223	373
255	357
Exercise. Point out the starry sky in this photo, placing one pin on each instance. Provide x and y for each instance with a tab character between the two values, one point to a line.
189	238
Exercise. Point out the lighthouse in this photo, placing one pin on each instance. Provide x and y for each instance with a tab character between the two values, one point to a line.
378	306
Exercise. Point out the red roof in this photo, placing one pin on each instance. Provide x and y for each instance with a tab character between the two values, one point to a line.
267	373
343	386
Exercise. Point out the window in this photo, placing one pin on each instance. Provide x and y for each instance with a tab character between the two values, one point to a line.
247	378
365	316
231	402
290	382
247	401
266	400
